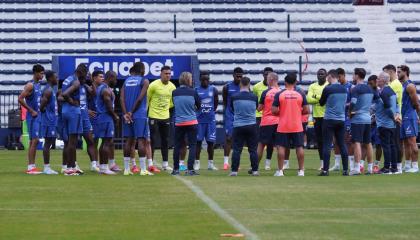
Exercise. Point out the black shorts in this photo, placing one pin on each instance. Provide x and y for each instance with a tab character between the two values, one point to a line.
289	140
360	133
267	134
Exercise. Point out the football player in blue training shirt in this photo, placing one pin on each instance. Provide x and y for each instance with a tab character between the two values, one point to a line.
362	97
206	117
71	117
49	113
106	118
97	79
86	92
409	113
133	100
29	99
228	91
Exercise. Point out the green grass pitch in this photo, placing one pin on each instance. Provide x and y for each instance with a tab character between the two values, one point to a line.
162	207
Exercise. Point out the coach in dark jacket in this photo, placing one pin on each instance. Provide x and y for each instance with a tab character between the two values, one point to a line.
186	103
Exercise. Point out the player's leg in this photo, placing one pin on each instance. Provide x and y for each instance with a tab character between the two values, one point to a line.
337	156
280	160
104	152
251	138
339	135
48	142
91	149
141	149
327	138
300	154
286	163
191	132
237	145
112	164
164	128
385	135
318	137
399	146
182	156
128	154
226	150
33	129
210	140
414	152
179	136
201	133
64	156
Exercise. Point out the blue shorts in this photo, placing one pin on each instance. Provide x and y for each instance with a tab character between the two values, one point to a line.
138	129
48	131
105	130
207	131
267	134
360	133
289	140
72	124
374	135
34	127
86	125
409	128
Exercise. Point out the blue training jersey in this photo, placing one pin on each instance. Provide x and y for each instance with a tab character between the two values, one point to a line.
83	102
68	108
232	89
244	105
49	116
186	103
386	109
408	112
102	113
34	99
206	113
132	88
334	97
362	97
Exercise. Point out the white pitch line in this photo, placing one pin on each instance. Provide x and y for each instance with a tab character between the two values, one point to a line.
218	210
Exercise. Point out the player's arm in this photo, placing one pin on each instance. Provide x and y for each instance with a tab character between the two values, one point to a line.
150	91
106	96
276	104
126	116
412	92
45	99
261	101
66	94
197	101
225	96
216	98
353	101
324	97
312	98
60	96
141	96
305	106
89	89
27	91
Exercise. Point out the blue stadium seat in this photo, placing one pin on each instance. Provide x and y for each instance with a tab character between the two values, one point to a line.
73	20
227	40
72	40
15	72
71	51
229	29
232	50
408	29
408	39
193	1
330	29
71	10
233	20
332	39
334	50
219	10
25	61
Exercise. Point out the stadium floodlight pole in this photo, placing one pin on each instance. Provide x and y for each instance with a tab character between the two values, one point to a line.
288	25
89	26
174	25
300	68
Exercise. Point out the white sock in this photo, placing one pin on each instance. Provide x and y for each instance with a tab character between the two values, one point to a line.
181	162
143	163
268	162
104	167
226	160
415	165
286	162
112	162
321	163
46	166
211	163
351	160
150	161
362	163
357	166
133	161
93	163
408	163
399	167
62	166
370	167
337	160
127	162
164	164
